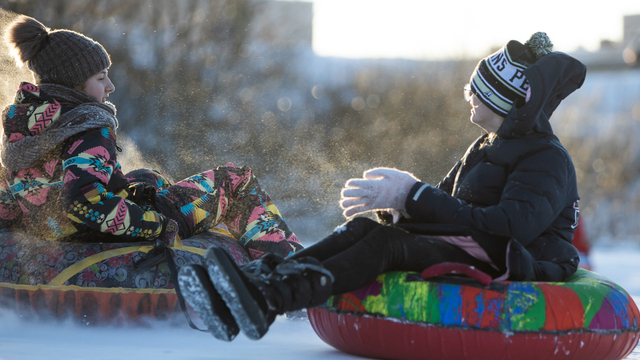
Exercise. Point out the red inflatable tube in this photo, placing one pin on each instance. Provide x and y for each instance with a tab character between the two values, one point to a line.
385	338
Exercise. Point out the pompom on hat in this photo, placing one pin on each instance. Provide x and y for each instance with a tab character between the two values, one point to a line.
61	57
498	80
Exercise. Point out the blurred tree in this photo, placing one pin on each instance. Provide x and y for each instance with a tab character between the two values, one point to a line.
200	83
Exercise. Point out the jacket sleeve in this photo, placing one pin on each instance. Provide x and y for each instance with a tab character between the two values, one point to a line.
10	213
89	163
534	195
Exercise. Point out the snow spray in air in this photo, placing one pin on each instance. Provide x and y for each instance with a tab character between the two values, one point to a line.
10	74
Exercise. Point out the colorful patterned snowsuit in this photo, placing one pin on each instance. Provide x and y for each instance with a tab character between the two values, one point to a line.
79	192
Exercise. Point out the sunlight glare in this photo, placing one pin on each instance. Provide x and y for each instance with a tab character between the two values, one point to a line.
421	29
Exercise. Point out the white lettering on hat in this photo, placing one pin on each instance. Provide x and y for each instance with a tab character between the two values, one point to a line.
511	73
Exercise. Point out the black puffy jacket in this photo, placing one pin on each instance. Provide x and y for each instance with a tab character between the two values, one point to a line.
518	191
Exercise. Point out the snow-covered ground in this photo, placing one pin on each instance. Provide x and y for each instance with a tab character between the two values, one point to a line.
287	339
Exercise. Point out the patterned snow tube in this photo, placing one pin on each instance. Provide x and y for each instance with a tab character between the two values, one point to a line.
403	316
96	282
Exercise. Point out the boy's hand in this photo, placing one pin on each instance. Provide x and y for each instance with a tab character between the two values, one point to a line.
380	188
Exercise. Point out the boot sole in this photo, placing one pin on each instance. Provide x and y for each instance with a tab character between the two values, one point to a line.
224	274
200	294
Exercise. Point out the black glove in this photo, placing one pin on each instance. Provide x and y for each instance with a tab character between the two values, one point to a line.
169	232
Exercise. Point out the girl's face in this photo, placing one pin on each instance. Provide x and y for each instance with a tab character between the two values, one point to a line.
99	86
482	116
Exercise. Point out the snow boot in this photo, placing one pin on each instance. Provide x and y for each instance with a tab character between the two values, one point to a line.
297	284
254	302
262	266
199	292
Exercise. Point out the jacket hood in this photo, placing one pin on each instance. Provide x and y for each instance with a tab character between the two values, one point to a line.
37	108
32	111
43	117
552	78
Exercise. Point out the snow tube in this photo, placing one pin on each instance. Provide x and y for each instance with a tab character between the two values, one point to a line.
96	282
403	316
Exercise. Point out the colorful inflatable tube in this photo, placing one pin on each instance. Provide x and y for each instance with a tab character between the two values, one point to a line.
403	316
96	282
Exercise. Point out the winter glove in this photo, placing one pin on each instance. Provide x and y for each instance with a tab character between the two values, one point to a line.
380	188
142	194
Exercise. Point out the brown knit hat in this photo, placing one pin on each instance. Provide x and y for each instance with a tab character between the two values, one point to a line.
62	57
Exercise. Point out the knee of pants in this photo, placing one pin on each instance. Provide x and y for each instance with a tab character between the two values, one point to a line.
361	224
386	235
149	177
237	176
235	168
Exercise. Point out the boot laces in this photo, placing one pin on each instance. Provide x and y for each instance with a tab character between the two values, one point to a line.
295	268
256	268
262	267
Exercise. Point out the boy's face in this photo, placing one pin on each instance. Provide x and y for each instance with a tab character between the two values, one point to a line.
99	86
482	116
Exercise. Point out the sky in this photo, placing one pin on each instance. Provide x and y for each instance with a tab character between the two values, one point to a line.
432	30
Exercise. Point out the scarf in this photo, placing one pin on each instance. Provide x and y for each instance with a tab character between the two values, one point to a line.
86	114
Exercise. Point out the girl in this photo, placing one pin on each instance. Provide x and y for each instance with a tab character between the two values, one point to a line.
508	207
61	179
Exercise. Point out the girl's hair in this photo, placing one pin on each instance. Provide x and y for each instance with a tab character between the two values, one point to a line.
489	140
26	37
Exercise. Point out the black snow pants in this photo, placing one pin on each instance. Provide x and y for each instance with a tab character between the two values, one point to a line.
362	249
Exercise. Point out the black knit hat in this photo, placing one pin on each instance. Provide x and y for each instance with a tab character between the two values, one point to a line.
499	81
62	57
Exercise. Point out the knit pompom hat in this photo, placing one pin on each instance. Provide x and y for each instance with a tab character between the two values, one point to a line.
498	80
61	57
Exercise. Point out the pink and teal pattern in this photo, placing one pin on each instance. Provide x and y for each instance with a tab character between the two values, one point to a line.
585	302
79	192
230	195
401	316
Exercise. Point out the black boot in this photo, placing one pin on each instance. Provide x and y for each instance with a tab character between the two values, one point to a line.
204	299
255	302
263	266
197	289
296	285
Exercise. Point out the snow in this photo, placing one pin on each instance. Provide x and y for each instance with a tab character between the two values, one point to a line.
26	340
621	264
287	339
